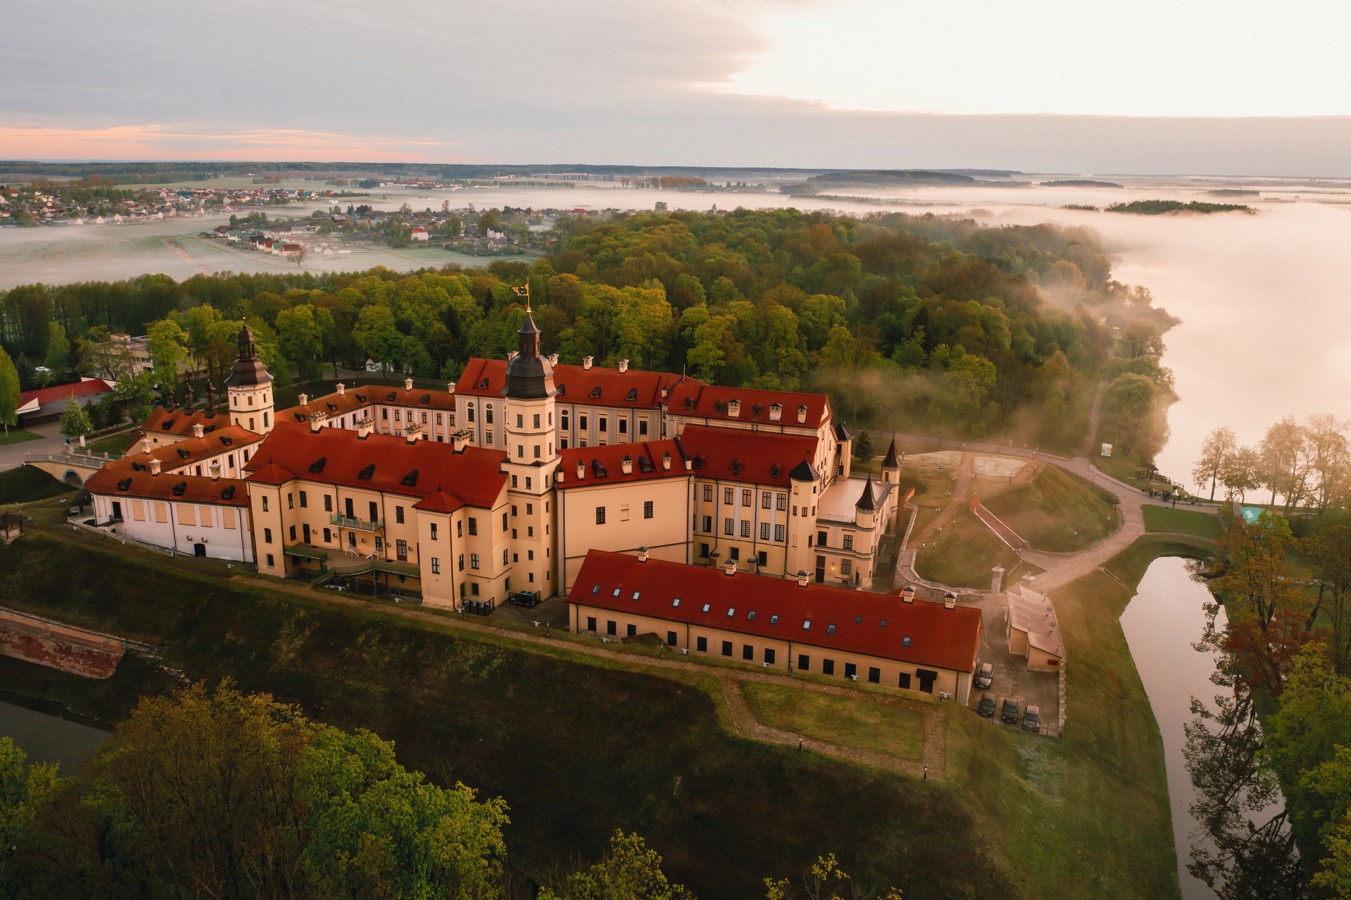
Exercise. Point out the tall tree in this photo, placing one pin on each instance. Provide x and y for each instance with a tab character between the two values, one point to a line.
75	421
1215	449
167	343
57	359
9	391
1285	463
1329	458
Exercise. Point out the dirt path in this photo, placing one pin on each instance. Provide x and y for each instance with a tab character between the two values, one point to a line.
961	496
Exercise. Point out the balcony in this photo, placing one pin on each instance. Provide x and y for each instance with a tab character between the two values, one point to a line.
357	524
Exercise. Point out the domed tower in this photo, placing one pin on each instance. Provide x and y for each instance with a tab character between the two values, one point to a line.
531	461
250	388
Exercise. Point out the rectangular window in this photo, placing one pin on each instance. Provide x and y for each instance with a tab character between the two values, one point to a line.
874	675
804	662
488	414
764	531
270	562
401	549
726	648
375	512
849	542
850	670
433	531
748	652
632	630
623	426
745	529
642	427
728	527
581	421
647	509
473	560
764	501
610	627
563	420
600	515
328	503
604	425
670	638
728	496
504	520
265	504
436	566
708	524
820	538
290	498
267	535
701	644
708	496
778	533
745	497
398	515
473	525
293	533
459	528
304	500
328	536
847	567
469	414
459	564
769	655
781	503
828	667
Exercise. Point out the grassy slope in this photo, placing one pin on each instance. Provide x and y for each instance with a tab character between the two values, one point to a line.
871	722
26	484
577	750
963	554
1049	508
1183	521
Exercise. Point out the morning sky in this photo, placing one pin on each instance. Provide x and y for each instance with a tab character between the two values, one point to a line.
1150	87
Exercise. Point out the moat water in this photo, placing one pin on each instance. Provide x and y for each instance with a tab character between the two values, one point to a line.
48	738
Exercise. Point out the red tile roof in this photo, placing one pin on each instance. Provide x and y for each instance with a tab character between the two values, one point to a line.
193	450
646	461
59	393
596	386
694	399
390	463
755	457
125	480
180	421
944	638
363	396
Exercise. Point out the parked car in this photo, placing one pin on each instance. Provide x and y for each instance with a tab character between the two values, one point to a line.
1032	718
986	707
984	675
1009	711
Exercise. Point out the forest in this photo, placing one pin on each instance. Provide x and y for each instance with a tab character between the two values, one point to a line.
919	323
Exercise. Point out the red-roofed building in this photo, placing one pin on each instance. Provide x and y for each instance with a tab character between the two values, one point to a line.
47	404
389	410
785	624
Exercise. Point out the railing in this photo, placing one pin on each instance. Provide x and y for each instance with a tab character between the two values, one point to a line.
357	524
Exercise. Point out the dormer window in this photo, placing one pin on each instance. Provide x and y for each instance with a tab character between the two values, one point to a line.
631	395
595	393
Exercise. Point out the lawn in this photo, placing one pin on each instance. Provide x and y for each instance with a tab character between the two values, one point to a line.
578	747
17	436
963	554
1052	510
1183	521
879	724
27	483
119	442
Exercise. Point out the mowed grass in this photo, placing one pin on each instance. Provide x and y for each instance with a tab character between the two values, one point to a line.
26	484
1183	521
577	745
114	443
1052	510
17	436
963	554
879	724
1101	787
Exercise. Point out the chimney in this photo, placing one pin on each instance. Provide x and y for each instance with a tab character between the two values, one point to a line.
342	389
642	554
145	443
802	577
408	384
581	470
198	430
450	387
908	594
460	440
626	464
802	414
413	433
304	399
587	361
365	427
729	567
996	579
734	408
623	366
553	359
689	465
775	412
154	466
318	420
215	470
512	354
949	601
666	461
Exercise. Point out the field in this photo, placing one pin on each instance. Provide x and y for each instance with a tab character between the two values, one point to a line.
26	484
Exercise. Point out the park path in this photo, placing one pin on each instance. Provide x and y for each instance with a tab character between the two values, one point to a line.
960	497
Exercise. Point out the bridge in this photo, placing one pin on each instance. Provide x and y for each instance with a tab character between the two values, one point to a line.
74	466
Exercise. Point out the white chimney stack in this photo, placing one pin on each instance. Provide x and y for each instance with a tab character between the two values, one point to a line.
587	361
342	389
623	366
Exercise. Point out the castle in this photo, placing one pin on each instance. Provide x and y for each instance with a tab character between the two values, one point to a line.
501	483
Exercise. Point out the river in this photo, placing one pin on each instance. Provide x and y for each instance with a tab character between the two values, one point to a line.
48	738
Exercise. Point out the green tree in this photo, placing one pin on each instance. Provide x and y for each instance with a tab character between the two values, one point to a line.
301	334
1329	552
630	871
9	391
376	334
167	344
1217	446
75	421
1133	415
58	352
